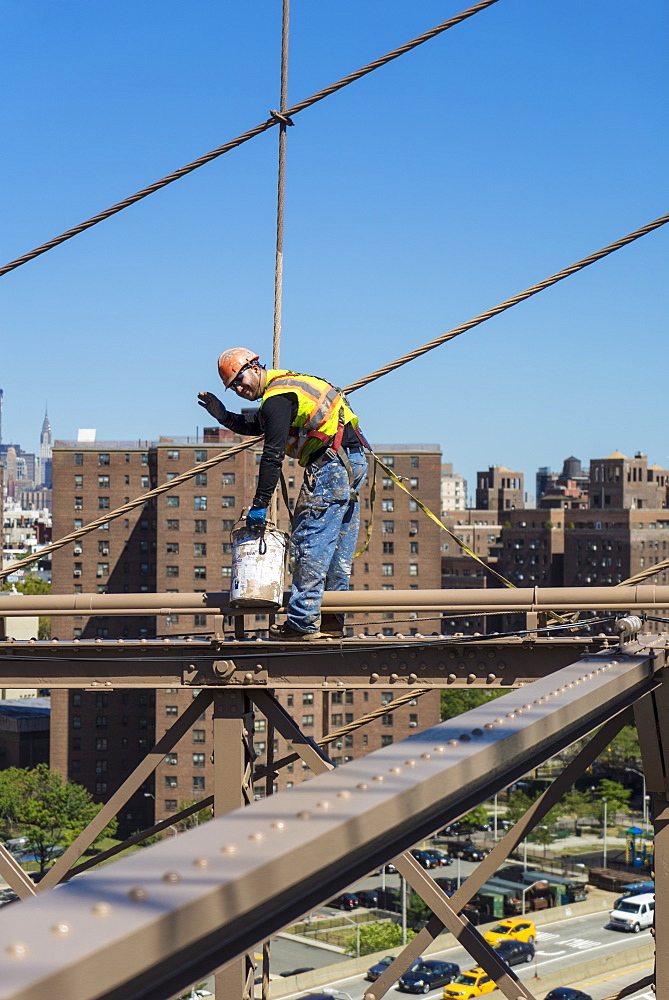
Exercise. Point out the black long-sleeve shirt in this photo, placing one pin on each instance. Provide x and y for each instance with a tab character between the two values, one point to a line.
274	420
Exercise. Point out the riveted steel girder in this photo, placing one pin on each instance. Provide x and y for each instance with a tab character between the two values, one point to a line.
150	924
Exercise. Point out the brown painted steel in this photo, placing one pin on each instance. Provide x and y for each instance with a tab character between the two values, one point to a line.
14	875
173	912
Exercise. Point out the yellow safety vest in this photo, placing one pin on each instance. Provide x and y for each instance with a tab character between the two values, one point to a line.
320	410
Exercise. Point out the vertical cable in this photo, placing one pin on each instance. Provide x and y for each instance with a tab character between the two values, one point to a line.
281	184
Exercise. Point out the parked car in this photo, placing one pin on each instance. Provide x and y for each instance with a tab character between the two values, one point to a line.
377	970
516	928
474	983
633	913
17	845
423	858
470	852
636	888
426	976
368	897
441	857
567	993
514	952
449	885
347	901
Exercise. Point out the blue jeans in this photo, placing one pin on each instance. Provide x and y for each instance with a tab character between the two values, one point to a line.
325	531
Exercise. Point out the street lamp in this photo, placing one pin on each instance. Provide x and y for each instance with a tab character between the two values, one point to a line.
633	770
527	888
604	844
357	939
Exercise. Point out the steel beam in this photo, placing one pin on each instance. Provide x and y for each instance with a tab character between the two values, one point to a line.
527	599
155	922
392	661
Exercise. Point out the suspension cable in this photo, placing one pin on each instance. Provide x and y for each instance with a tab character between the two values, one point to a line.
508	303
245	136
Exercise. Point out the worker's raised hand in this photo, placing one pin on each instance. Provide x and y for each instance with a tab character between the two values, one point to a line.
212	405
256	517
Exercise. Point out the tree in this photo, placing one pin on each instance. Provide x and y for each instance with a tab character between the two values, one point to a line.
617	798
376	937
576	804
459	700
48	810
195	819
475	817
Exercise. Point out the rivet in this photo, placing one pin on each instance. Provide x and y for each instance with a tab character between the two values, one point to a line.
471	678
426	756
323	805
101	910
171	877
498	722
229	849
362	787
304	815
451	677
527	707
395	770
394	677
413	677
452	743
16	950
378	778
344	794
439	749
256	837
374	677
510	715
465	737
491	677
61	929
488	725
410	763
278	824
138	894
248	678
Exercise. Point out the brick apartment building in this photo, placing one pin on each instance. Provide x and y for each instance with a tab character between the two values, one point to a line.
500	489
180	541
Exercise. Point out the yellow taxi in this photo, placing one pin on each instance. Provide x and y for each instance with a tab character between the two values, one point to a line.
514	929
470	984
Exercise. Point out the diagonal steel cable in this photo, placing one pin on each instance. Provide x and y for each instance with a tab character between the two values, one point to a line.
508	303
250	134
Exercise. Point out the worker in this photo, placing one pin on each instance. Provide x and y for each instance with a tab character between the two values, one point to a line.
309	419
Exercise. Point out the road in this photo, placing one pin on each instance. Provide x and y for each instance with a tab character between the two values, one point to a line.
560	946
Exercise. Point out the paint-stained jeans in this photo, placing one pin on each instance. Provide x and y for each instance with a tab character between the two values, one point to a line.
325	531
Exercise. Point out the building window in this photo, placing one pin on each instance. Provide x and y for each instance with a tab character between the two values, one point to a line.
414	461
198	736
413	505
200	478
226	548
388	527
198	783
171	758
413	484
200	503
79	503
199	620
78	482
413	548
336	719
78	458
228	479
389	548
103	458
413	527
170	805
103	503
388	460
199	549
103	482
172	548
101	767
387	720
227	502
171	710
200	527
171	571
100	787
307	721
308	698
101	722
413	569
198	760
387	569
171	781
227	525
103	569
200	456
76	722
388	484
199	572
386	740
103	548
173	501
388	506
172	455
226	571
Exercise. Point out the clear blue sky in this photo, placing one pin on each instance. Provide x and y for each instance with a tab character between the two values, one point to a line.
487	159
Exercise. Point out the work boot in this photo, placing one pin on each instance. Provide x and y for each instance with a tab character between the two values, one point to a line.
285	633
332	626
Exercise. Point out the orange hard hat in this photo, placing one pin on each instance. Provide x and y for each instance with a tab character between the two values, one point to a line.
231	362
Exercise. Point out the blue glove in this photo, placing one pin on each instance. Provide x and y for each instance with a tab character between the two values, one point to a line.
256	517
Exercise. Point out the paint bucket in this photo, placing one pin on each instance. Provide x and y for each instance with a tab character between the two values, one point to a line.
258	560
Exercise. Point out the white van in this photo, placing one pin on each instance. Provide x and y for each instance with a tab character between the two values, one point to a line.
632	913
